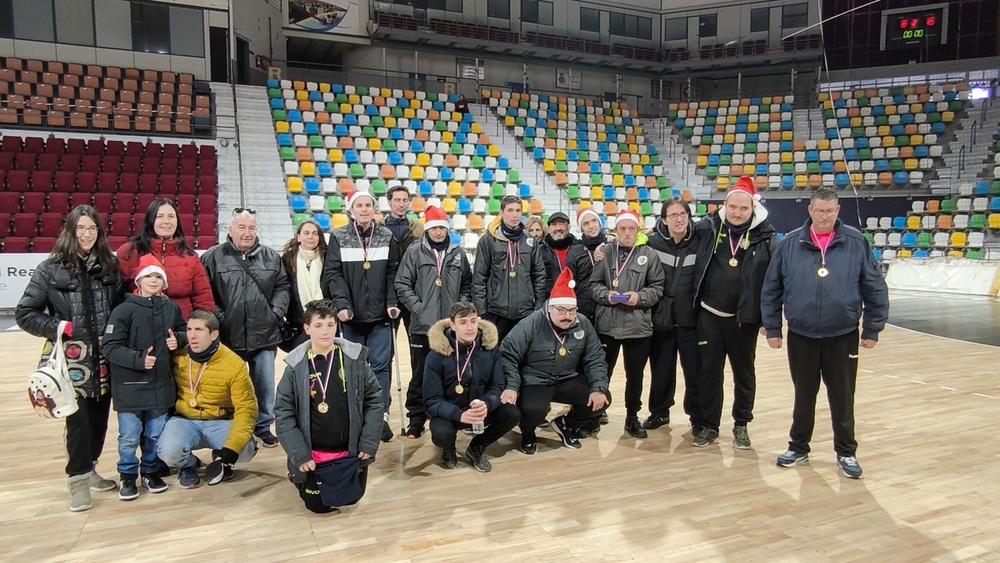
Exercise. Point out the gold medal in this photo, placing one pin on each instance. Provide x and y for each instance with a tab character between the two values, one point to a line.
459	389
367	265
734	262
513	274
562	351
193	403
323	408
614	283
437	282
823	272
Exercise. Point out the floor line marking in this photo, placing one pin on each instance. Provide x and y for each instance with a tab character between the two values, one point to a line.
982	395
918	382
948	388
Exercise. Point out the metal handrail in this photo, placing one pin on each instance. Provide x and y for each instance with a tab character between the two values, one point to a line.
684	167
975	125
961	162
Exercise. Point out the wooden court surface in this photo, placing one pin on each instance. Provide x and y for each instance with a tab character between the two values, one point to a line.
927	410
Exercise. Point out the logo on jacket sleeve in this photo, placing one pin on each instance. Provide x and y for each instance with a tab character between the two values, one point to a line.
530	241
642	260
579	335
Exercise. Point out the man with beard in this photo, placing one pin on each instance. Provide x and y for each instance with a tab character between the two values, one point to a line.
555	247
433	275
736	243
508	282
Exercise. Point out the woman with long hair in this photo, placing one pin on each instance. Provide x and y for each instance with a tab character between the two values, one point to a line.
162	236
535	227
79	283
303	258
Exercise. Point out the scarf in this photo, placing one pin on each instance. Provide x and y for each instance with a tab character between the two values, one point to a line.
514	234
439	246
308	270
566	242
737	231
204	357
591	244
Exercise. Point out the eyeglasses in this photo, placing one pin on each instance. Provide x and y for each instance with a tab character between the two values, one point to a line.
565	310
676	216
824	212
80	229
240	210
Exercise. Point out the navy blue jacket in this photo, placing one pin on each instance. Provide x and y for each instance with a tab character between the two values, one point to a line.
823	307
441	374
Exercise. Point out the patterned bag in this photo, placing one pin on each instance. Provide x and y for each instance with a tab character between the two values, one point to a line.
50	388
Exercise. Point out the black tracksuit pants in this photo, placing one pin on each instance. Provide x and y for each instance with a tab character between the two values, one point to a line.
503	324
498	423
636	352
415	409
835	361
719	338
536	400
664	348
85	433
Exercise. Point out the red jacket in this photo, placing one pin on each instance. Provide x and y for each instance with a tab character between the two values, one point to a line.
187	282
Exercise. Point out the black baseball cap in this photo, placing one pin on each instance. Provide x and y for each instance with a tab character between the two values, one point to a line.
557	216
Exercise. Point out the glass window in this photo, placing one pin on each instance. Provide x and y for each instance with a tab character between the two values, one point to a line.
794	15
114	24
617	23
545	13
760	19
33	20
187	31
675	29
6	23
150	28
498	9
590	20
75	22
645	28
708	25
536	11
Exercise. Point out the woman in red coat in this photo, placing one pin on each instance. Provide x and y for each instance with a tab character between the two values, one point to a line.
161	236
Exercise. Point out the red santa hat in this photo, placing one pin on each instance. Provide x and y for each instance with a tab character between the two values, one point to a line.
148	264
562	291
582	214
745	185
628	215
434	217
358	194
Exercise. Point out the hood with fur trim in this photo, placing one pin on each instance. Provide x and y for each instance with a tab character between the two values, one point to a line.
440	343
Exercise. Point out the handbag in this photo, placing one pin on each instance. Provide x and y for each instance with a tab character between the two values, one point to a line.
339	481
50	388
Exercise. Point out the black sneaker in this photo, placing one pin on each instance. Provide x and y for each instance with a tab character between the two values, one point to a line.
386	432
414	430
633	427
127	489
214	472
449	458
477	457
187	478
704	437
268	440
568	436
154	483
544	424
604	417
655	421
529	444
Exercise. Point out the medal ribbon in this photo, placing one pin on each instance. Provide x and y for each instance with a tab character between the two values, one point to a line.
192	384
562	341
733	248
439	261
620	269
323	383
468	360
822	249
361	240
513	255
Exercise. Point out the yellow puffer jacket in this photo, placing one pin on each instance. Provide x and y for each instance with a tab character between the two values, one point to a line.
224	393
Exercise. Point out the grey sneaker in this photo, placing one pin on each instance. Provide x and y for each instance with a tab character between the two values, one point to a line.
99	484
791	458
849	465
741	438
704	437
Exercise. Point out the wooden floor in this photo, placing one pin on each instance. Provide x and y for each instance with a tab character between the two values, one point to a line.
927	413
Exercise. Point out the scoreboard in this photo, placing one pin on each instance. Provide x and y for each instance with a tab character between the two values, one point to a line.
914	28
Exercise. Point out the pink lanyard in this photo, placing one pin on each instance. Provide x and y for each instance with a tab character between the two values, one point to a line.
439	261
822	249
513	255
733	248
461	370
361	240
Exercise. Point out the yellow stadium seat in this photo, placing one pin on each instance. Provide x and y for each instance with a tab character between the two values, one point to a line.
340	220
294	185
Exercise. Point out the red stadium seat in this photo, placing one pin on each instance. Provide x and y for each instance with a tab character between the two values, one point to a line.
86	181
5	226
115	148
25	161
187	185
11	143
51	224
76	146
55	145
149	183
10	202
104	203
134	148
34	202
59	202
43	244
121	224
95	147
18	180
48	161
70	162
205	242
207	204
186	203
65	182
34	144
107	182
189	151
16	245
6	160
25	224
116	242
41	181
171	150
187	223
143	201
90	163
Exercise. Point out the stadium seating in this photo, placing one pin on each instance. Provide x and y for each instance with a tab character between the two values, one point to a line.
937	228
43	179
336	139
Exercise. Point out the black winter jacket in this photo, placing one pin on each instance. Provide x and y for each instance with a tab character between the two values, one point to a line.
250	318
365	294
531	354
551	261
823	307
493	290
415	284
763	239
134	326
580	261
678	260
87	300
483	381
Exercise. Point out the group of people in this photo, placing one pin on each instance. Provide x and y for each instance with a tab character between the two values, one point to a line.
188	355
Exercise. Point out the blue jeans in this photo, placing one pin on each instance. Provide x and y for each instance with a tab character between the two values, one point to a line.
262	375
378	338
182	436
146	426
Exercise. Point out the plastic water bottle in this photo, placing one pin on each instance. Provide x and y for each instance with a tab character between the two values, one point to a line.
477	427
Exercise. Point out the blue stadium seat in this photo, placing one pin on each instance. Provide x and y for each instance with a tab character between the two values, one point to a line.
351	157
899	223
314	186
284	140
350	119
341	130
488	176
395	158
503	164
426	189
323	219
909	240
787	182
447	174
465	206
324	170
525	191
299	203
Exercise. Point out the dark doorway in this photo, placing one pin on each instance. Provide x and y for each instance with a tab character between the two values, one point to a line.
218	40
